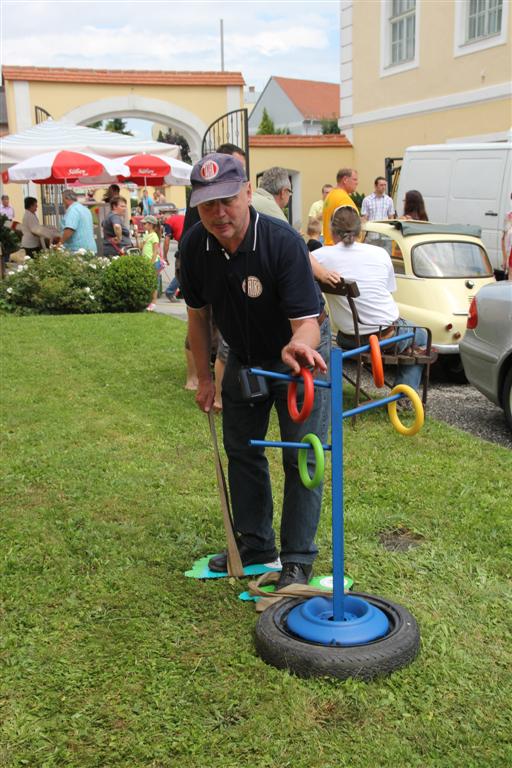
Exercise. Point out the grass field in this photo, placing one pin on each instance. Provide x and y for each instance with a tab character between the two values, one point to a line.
110	657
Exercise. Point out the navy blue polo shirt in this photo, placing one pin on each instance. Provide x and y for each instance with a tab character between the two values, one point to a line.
274	262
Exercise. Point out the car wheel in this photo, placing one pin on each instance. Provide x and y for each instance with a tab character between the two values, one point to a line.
507	397
453	368
278	646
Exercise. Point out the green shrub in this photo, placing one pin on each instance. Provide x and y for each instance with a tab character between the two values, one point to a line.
57	282
54	282
128	284
9	238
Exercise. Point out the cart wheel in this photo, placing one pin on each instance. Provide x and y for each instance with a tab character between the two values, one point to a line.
279	647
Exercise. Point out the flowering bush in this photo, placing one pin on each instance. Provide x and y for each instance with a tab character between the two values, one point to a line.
54	282
59	282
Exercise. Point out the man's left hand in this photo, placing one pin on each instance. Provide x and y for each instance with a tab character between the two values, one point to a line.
299	355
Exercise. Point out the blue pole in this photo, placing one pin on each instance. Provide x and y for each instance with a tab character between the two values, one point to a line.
338	565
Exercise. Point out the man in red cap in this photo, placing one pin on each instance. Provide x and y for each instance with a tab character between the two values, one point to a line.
255	273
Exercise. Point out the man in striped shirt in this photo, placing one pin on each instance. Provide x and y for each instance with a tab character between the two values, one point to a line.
378	205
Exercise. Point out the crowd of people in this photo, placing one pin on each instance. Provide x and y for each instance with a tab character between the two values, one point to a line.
119	232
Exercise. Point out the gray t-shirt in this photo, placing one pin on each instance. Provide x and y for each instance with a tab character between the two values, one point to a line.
109	233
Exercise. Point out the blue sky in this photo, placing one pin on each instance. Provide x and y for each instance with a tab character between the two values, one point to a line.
288	38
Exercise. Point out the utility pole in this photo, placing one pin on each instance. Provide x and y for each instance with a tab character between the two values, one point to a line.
222	45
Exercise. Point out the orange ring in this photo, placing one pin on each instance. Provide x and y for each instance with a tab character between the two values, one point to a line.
309	397
376	358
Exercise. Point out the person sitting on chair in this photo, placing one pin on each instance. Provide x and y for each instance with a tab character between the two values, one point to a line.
370	266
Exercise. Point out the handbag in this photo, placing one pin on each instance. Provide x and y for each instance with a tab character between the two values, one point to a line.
115	246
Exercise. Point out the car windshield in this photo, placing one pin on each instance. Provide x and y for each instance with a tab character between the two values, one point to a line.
450	259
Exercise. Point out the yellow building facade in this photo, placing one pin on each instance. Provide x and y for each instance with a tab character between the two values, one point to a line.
311	161
422	72
186	101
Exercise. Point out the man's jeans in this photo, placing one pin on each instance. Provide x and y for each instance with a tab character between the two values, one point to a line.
409	374
172	287
405	374
248	472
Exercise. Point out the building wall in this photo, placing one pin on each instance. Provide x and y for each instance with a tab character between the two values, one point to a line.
372	145
443	95
439	72
207	102
310	168
190	109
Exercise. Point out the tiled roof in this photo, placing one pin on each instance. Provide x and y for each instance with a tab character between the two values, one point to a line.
121	76
314	100
287	140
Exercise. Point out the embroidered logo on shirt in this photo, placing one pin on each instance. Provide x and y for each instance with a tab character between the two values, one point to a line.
209	170
252	287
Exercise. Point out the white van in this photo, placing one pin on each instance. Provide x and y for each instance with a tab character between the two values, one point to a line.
462	184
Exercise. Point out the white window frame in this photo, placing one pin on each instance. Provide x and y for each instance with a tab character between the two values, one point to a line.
386	67
462	47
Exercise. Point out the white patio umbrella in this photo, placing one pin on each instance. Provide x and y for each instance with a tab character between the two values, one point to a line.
156	170
65	167
61	134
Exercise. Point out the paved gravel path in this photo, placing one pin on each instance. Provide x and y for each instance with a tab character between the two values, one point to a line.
462	406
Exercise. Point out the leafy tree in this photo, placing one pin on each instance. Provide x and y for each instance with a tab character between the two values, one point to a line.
330	126
282	131
266	127
169	137
117	125
357	198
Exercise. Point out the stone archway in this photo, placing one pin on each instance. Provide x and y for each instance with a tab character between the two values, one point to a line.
181	120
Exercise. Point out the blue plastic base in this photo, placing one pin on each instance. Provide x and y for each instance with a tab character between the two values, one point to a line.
313	621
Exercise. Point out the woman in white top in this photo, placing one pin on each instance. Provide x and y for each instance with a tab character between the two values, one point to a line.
34	234
370	266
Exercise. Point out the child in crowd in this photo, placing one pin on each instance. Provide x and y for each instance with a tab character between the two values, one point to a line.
314	232
151	250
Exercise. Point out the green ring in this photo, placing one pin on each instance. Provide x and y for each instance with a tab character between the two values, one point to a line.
311	482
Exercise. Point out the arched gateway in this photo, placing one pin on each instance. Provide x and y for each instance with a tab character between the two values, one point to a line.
185	101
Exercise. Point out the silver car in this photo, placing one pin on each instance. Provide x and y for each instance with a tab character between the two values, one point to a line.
486	349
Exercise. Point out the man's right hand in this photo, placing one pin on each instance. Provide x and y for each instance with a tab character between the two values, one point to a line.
205	394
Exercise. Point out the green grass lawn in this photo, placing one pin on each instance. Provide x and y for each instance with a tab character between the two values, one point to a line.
111	657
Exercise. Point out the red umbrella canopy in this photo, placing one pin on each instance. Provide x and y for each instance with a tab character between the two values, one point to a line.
74	165
61	166
147	169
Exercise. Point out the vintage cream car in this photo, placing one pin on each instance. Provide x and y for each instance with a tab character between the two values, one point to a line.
439	268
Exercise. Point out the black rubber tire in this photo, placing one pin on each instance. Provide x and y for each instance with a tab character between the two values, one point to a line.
279	647
506	395
453	368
